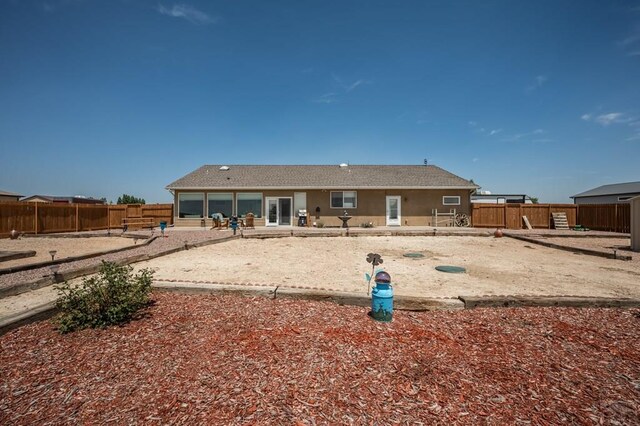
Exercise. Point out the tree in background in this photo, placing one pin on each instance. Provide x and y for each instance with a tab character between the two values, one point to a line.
534	200
130	199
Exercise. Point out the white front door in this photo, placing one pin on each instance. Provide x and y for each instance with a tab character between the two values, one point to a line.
393	210
278	211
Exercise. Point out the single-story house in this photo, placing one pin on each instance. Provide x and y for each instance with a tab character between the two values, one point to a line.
382	195
609	194
489	198
6	196
76	199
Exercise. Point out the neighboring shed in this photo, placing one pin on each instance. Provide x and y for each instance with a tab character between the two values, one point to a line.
77	199
635	224
609	194
489	198
6	196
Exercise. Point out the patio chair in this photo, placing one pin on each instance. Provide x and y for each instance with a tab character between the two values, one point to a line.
218	221
248	221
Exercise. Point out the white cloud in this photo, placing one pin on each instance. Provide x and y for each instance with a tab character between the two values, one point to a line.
348	87
327	98
586	117
494	132
187	12
537	83
612	118
475	160
635	53
472	123
518	136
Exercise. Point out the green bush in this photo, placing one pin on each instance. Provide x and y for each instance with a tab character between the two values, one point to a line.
111	297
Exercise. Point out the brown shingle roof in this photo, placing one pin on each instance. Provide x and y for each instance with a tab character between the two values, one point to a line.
327	177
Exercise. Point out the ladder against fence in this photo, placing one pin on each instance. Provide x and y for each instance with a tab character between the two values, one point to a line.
43	218
600	217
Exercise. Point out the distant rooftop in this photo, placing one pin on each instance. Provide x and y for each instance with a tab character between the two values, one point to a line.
9	194
613	189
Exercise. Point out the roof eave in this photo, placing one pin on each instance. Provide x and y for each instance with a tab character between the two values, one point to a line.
277	188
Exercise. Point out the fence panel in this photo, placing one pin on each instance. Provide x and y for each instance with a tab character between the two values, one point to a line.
159	212
18	216
42	218
91	218
488	216
605	217
55	218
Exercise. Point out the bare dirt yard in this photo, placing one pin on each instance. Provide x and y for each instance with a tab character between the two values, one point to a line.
501	266
65	247
230	360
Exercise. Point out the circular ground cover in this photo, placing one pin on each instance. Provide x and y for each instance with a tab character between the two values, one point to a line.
451	269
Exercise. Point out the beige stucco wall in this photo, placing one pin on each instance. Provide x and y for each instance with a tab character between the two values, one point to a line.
415	209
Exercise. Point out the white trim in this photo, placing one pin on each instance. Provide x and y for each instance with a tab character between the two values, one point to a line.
235	211
450	196
203	204
342	208
206	202
266	210
398	221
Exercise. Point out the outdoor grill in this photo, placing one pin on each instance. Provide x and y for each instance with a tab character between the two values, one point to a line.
302	217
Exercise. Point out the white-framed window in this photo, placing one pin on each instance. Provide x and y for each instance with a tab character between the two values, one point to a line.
249	202
191	204
344	199
451	200
220	202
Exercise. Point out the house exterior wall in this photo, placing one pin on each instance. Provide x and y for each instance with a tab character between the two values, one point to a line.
603	199
416	206
9	198
635	224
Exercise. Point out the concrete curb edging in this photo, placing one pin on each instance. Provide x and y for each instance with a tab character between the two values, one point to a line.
402	303
570	249
472	302
40	312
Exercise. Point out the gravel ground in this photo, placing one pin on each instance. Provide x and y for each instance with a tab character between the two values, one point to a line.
65	247
175	238
230	360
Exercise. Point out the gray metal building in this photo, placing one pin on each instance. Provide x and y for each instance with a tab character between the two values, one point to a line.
616	193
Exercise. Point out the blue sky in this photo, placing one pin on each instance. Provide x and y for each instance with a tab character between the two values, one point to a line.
101	98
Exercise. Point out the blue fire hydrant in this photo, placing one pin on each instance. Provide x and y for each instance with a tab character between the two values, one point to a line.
234	224
382	298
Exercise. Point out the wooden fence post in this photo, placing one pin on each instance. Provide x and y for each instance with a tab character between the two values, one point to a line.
77	217
35	227
548	216
615	219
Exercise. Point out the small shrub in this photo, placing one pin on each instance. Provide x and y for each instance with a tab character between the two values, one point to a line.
111	297
366	225
320	224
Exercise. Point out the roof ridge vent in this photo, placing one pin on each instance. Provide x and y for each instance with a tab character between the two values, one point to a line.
224	168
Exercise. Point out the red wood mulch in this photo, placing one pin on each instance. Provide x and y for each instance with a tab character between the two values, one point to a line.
234	360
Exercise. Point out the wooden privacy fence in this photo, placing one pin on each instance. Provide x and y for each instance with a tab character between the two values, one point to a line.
600	217
43	218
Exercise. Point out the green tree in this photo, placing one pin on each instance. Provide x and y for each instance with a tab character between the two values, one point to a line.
534	200
130	199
